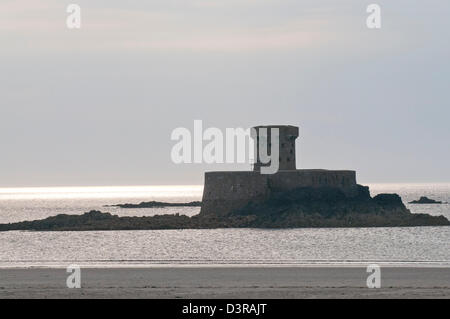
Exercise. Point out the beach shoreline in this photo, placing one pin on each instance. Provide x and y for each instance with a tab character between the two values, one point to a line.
226	282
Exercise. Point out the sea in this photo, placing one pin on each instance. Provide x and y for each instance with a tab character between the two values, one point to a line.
394	246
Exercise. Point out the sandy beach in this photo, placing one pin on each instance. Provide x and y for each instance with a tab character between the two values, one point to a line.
226	282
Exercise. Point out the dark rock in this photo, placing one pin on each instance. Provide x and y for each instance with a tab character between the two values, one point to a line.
388	200
95	220
306	207
425	200
154	204
302	207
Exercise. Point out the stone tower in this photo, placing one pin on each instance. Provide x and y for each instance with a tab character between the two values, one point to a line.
228	191
287	137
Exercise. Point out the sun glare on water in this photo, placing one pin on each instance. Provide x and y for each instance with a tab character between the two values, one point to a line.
99	192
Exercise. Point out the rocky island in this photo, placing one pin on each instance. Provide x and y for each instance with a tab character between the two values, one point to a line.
302	207
154	204
425	200
289	198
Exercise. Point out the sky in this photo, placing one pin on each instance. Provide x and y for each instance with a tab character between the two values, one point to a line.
97	105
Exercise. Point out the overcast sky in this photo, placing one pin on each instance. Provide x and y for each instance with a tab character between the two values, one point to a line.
96	106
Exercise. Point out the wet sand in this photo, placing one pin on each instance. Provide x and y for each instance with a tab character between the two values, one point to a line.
226	282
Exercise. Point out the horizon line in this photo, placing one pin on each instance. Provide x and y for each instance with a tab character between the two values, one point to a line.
178	185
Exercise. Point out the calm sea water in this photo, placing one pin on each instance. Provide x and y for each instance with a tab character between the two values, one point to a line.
407	245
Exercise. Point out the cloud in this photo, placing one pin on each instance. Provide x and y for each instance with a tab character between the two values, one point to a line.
204	25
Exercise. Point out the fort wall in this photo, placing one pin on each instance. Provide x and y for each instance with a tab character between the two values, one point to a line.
227	191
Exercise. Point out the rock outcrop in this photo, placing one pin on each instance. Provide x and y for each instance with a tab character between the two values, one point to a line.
154	204
96	220
425	200
301	207
329	207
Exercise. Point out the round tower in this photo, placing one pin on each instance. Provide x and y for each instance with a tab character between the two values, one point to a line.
286	143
